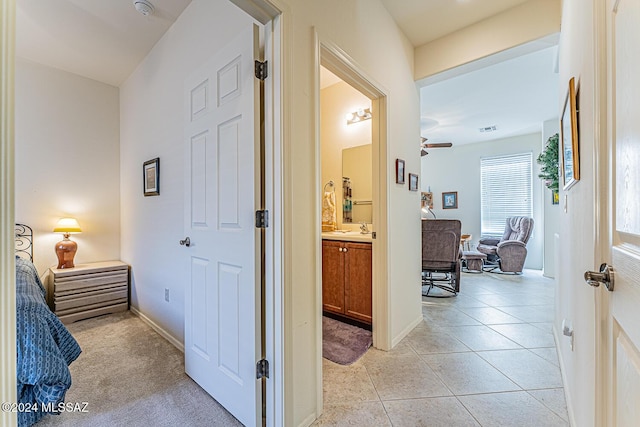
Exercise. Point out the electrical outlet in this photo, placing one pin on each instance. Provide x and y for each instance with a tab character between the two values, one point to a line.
166	294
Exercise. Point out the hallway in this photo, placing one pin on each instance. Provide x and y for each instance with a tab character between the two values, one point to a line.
484	358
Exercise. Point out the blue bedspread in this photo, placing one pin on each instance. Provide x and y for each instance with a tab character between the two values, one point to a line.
45	346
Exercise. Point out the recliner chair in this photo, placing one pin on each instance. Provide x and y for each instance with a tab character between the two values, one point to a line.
509	252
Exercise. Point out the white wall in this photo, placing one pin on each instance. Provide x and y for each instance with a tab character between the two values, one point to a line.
552	212
364	30
526	22
152	117
574	299
67	161
458	169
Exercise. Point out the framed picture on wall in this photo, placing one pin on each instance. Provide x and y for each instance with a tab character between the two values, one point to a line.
450	200
399	171
151	177
427	199
569	129
413	182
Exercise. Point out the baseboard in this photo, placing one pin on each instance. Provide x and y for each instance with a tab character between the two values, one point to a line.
163	333
308	421
406	330
567	394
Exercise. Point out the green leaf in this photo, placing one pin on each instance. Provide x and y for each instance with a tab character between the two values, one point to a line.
549	161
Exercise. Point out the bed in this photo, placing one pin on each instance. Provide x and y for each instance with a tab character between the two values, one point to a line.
45	348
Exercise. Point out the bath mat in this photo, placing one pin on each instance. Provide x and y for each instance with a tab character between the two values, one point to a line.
343	343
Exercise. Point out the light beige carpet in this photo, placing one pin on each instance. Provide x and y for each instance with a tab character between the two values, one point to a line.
131	376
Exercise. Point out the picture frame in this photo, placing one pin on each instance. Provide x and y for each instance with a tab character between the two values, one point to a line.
569	140
151	177
427	199
413	182
399	171
450	200
555	197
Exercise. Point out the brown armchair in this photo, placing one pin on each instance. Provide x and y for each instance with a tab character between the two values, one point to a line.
441	255
509	252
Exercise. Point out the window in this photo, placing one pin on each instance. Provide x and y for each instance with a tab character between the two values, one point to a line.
506	190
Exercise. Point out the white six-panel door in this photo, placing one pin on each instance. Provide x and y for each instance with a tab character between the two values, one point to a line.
222	307
624	302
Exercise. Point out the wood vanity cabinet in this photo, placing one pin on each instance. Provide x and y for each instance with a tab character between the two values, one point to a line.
346	279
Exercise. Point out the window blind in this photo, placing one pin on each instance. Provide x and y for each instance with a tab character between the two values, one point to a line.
506	190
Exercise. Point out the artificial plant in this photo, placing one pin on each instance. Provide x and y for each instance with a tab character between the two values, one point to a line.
549	163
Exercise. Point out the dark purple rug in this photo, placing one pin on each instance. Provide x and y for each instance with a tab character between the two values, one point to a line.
343	343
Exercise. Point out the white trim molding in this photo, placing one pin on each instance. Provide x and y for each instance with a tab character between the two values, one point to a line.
8	388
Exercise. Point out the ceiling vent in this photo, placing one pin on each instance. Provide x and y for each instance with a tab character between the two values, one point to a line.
143	6
488	129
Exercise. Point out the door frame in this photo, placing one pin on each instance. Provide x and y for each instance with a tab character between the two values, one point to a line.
274	15
331	56
602	155
8	389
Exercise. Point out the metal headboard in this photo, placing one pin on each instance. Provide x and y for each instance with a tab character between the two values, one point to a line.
24	241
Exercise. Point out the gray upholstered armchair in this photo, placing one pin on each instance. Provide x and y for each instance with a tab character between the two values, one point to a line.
441	255
509	252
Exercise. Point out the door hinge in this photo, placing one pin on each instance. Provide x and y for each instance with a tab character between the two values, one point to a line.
262	369
262	219
261	70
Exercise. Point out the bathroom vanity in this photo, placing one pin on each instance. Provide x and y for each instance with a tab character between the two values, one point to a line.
346	275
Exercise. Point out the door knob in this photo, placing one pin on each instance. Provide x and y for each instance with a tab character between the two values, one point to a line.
604	276
186	242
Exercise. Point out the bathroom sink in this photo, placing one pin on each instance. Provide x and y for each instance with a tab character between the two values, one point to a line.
348	235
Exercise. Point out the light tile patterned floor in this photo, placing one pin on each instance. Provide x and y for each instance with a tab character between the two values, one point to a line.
484	358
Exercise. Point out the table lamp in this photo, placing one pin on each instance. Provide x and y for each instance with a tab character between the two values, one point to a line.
66	249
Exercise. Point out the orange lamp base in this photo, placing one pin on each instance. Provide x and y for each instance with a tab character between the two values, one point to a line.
66	250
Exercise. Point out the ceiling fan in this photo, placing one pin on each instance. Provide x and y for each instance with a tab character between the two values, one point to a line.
424	145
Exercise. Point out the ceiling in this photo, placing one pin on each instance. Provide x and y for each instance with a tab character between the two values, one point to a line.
516	96
104	40
425	20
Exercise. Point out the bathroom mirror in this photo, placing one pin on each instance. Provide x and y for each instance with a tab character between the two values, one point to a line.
356	165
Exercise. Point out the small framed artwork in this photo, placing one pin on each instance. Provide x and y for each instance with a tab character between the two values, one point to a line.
151	177
569	129
555	197
399	171
427	199
413	182
450	200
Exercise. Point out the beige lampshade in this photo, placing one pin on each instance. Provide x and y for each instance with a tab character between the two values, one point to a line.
67	225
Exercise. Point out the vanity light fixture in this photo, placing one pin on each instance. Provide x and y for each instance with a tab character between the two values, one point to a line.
360	115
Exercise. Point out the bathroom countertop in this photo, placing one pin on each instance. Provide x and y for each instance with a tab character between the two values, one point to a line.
349	236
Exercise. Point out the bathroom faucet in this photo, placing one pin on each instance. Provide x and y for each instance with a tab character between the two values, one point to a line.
363	228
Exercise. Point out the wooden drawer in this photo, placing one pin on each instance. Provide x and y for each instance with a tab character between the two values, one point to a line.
89	290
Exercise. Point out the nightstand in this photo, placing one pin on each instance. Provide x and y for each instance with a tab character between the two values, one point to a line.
89	290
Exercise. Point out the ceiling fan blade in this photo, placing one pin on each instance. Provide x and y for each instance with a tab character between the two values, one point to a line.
439	145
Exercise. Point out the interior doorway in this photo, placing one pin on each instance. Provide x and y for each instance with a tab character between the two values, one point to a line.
333	59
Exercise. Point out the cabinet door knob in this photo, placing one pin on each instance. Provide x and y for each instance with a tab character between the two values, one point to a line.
344	250
186	242
339	249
